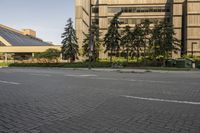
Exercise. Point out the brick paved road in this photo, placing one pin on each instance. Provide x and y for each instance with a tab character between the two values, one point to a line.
74	101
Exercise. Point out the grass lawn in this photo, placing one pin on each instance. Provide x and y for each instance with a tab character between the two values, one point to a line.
3	64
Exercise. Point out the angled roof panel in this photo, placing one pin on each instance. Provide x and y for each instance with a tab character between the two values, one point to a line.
17	39
2	44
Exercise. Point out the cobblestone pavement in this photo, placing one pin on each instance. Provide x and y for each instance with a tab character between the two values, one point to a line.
40	100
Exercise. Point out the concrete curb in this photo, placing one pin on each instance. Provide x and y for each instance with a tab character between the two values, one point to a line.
135	70
115	70
3	66
123	70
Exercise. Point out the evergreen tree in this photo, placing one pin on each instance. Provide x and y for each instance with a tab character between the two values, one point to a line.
70	45
138	42
170	42
127	40
165	41
147	34
113	37
156	40
95	35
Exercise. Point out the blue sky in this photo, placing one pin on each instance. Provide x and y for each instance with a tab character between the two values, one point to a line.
47	17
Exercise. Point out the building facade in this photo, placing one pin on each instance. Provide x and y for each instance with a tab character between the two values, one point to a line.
22	44
183	14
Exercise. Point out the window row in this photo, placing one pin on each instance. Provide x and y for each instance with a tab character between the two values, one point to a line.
134	20
95	10
140	20
138	9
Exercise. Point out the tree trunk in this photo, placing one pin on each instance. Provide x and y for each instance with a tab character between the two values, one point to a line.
138	54
71	60
111	53
145	53
127	55
164	64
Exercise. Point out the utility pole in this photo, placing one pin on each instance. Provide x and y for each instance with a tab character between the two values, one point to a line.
91	37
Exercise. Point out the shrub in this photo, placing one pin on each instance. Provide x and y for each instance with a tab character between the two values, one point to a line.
50	55
64	65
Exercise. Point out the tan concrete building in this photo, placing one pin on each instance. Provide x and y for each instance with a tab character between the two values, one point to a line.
183	14
22	43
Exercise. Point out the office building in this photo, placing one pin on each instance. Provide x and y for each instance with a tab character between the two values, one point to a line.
183	14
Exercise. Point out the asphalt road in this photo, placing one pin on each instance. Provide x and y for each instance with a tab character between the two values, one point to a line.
42	100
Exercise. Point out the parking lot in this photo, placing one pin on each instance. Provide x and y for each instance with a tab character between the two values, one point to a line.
52	100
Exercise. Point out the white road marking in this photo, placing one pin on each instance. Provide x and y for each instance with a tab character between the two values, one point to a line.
37	74
135	80
8	82
72	75
162	100
108	79
150	81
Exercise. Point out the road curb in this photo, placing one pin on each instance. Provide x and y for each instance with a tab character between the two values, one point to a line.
136	70
114	70
4	67
122	71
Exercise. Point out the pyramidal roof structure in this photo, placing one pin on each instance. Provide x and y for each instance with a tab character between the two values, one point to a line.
13	37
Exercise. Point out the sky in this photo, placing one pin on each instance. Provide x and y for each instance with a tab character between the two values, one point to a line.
46	17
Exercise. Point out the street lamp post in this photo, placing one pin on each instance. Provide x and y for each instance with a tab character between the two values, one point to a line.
91	49
91	43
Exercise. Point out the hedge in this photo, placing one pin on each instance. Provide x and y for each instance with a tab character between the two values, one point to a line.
64	65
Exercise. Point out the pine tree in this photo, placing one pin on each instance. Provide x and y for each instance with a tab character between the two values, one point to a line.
147	34
112	38
127	40
156	40
94	34
139	41
164	37
170	42
70	44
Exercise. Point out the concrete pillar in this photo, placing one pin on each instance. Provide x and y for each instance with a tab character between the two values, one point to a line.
61	57
193	65
33	55
6	57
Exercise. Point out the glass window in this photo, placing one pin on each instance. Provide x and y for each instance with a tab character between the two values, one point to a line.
138	9
95	10
95	21
130	21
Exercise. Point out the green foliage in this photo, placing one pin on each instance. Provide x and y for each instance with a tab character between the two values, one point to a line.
138	41
122	59
70	45
86	45
63	65
50	54
164	40
94	37
146	35
194	58
112	38
127	41
3	64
